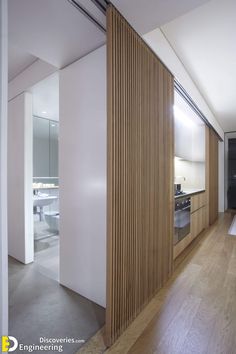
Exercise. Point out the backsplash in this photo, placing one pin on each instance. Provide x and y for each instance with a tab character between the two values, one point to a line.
190	174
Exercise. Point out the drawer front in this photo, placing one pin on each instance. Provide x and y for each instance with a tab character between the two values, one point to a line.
198	201
202	199
198	222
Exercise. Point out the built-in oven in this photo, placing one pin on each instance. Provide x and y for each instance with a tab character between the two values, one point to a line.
182	218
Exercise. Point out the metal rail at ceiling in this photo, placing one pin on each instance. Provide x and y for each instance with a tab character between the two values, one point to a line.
183	93
101	5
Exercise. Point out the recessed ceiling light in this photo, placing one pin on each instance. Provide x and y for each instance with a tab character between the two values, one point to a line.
44	112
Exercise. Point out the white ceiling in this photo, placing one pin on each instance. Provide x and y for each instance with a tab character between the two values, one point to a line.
202	33
46	97
52	30
204	40
146	15
18	61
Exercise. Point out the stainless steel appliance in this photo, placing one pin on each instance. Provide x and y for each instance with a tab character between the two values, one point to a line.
182	218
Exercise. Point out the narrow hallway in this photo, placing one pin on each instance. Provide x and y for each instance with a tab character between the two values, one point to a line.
196	311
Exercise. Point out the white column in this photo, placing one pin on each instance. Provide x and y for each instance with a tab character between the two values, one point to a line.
3	171
20	194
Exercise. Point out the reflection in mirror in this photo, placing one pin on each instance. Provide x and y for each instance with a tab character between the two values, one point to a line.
45	147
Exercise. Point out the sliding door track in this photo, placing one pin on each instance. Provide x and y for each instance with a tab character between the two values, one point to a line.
100	4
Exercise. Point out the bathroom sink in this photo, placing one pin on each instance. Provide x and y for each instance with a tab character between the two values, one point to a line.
41	201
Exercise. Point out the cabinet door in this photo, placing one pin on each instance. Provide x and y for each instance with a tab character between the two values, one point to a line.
194	224
198	222
198	201
194	203
204	217
190	135
202	199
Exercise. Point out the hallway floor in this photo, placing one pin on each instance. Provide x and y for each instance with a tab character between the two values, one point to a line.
46	256
195	313
39	306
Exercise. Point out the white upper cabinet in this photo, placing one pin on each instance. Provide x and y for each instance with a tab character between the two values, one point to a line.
189	132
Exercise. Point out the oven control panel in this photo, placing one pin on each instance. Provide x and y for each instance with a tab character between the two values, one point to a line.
181	204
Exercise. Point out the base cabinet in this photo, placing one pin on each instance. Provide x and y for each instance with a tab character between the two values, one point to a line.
198	220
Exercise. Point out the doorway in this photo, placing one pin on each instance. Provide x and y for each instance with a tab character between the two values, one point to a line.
45	98
230	170
39	306
231	193
58	37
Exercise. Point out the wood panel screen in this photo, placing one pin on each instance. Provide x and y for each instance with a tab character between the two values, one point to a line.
213	176
140	175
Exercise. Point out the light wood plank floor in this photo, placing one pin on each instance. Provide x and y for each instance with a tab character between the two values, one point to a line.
195	313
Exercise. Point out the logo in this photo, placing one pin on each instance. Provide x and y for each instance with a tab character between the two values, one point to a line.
9	344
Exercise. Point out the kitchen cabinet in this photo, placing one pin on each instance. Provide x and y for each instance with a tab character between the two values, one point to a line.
198	214
190	141
198	201
197	221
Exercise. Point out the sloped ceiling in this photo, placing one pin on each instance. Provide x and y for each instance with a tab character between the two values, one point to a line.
52	30
204	40
201	32
18	61
146	15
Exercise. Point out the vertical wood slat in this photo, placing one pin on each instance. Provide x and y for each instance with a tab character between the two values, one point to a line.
211	176
140	175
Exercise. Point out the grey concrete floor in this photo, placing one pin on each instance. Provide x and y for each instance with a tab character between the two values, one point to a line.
46	256
40	307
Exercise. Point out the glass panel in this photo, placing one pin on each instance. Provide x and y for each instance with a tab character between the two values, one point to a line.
53	152
40	147
45	150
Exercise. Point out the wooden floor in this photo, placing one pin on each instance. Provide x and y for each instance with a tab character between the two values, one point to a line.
196	311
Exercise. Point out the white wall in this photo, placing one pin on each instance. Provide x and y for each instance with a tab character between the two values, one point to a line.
192	173
36	72
3	169
20	198
157	41
82	173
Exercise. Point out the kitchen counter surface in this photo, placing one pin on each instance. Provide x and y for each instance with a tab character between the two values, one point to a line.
189	192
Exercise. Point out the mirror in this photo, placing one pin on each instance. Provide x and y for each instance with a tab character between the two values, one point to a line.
45	147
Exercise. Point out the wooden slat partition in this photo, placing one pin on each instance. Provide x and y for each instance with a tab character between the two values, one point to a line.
140	175
213	176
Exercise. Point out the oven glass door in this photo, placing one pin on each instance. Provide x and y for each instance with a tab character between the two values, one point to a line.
182	224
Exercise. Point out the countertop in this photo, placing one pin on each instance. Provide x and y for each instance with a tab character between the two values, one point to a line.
53	187
189	192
